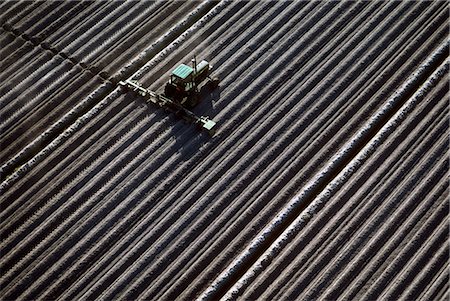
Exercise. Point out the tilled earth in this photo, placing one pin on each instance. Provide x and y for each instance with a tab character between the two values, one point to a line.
327	177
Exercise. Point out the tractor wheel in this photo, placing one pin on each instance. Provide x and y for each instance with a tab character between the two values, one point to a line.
215	82
170	91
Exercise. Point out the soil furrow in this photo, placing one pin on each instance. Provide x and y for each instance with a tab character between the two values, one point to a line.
439	262
64	191
20	12
226	227
315	288
434	234
190	19
326	177
385	190
308	191
312	232
11	9
343	198
57	105
439	287
333	289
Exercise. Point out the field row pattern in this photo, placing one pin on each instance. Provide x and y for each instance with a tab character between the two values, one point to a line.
327	177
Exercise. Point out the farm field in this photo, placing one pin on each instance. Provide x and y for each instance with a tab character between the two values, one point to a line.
327	177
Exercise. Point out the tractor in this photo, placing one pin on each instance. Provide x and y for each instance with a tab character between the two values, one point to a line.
185	81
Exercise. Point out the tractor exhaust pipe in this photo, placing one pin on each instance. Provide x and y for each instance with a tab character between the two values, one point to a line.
194	64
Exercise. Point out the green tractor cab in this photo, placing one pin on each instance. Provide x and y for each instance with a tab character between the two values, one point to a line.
184	83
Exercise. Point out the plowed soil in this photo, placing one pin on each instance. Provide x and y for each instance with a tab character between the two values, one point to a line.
327	177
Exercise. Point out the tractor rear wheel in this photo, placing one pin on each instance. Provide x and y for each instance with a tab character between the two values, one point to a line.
170	90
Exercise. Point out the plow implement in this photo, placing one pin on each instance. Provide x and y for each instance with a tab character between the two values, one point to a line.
168	104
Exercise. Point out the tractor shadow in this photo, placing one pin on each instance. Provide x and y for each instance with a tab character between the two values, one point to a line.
208	97
190	142
187	148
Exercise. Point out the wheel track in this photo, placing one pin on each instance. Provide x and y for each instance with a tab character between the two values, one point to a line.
46	20
7	168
